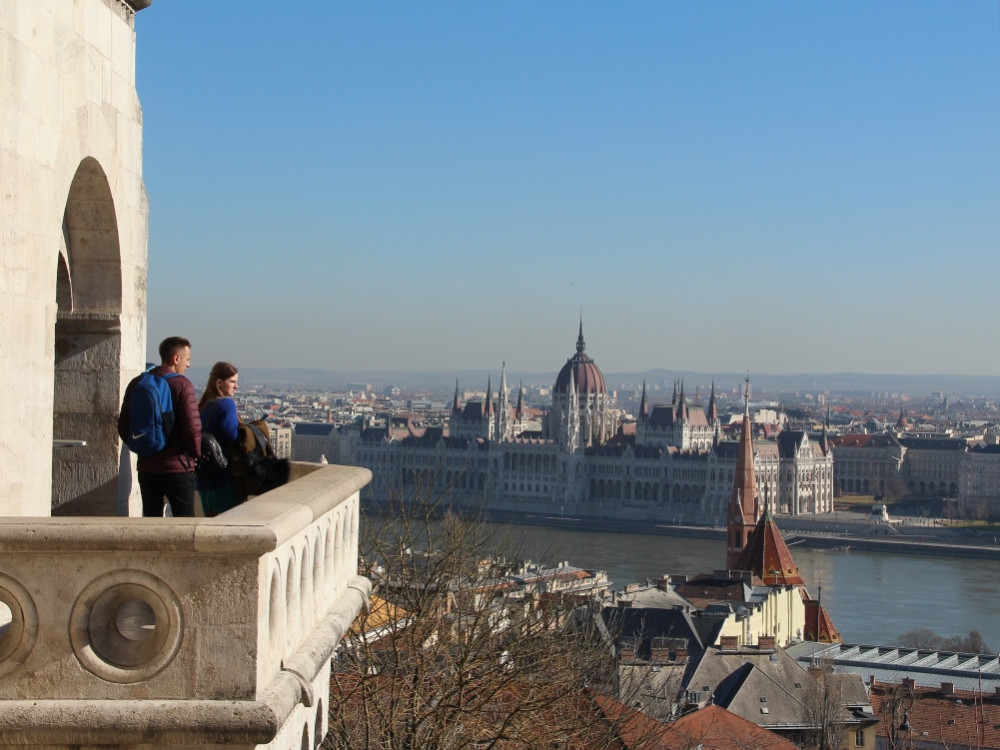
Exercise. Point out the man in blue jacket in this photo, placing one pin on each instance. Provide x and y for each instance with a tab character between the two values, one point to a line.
170	473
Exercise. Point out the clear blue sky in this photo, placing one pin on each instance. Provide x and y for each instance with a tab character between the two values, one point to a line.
778	187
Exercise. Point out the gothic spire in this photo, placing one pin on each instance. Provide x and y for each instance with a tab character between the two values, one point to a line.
454	404
643	406
713	408
572	440
580	346
743	504
503	407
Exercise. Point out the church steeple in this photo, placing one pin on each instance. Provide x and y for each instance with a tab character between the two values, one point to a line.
743	504
503	408
713	408
455	406
643	406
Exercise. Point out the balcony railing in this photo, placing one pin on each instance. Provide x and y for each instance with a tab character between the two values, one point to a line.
185	631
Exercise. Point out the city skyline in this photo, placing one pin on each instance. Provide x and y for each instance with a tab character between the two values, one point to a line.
778	188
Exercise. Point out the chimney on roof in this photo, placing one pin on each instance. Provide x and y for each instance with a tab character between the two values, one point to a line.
630	646
659	651
766	643
729	643
909	682
947	688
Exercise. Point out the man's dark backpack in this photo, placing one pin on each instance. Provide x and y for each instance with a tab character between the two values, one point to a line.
150	414
254	466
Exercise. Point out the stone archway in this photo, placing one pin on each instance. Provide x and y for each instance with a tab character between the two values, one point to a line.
87	350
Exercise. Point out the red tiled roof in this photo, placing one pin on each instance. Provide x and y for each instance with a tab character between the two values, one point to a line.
767	555
711	728
955	719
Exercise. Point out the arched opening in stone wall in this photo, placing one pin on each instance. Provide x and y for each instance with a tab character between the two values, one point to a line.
87	350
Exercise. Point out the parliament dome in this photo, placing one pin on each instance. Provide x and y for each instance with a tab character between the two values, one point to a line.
586	375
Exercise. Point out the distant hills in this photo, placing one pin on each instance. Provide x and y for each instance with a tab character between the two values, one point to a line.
762	384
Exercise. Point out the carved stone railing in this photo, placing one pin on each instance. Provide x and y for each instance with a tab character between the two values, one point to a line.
181	632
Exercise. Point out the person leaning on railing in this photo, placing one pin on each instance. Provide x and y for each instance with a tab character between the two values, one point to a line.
219	417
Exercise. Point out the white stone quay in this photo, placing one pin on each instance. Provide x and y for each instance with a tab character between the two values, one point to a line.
180	632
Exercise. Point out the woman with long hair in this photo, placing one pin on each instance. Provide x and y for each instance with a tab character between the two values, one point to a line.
218	416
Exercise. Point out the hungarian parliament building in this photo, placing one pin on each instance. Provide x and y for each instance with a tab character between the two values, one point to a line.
671	466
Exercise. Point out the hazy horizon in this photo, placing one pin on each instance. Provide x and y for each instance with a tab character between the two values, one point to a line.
779	187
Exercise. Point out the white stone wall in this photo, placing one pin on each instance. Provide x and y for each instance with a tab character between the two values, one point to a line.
67	101
181	632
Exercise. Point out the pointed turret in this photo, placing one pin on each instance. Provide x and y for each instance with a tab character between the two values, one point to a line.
901	423
572	437
580	345
713	408
742	514
488	406
767	555
643	406
502	431
519	413
455	406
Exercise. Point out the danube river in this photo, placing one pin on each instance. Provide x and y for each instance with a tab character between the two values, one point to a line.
871	596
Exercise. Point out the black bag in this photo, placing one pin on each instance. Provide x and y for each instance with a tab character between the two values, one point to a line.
213	459
255	468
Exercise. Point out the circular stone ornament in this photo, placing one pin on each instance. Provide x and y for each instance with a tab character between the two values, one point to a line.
126	626
18	635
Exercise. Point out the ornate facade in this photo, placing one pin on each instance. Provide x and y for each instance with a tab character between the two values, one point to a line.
672	466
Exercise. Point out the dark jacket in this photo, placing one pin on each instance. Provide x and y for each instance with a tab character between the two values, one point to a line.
219	417
185	440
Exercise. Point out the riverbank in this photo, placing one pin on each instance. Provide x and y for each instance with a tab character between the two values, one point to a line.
817	532
932	541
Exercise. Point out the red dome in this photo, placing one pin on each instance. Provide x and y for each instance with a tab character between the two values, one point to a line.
586	375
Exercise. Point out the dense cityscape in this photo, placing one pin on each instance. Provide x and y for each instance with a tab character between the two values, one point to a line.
935	453
546	557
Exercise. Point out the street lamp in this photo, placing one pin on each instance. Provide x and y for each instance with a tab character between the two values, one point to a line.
902	700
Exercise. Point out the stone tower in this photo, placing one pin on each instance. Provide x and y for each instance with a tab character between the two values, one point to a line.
123	632
73	269
743	507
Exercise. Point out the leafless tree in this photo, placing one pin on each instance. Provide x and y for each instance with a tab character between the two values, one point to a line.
462	658
925	638
825	709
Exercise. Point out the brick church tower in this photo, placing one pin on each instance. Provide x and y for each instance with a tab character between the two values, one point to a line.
743	505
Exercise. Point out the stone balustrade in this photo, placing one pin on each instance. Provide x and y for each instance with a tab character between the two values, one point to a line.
126	632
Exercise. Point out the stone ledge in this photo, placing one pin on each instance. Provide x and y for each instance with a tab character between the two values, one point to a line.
187	722
251	529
